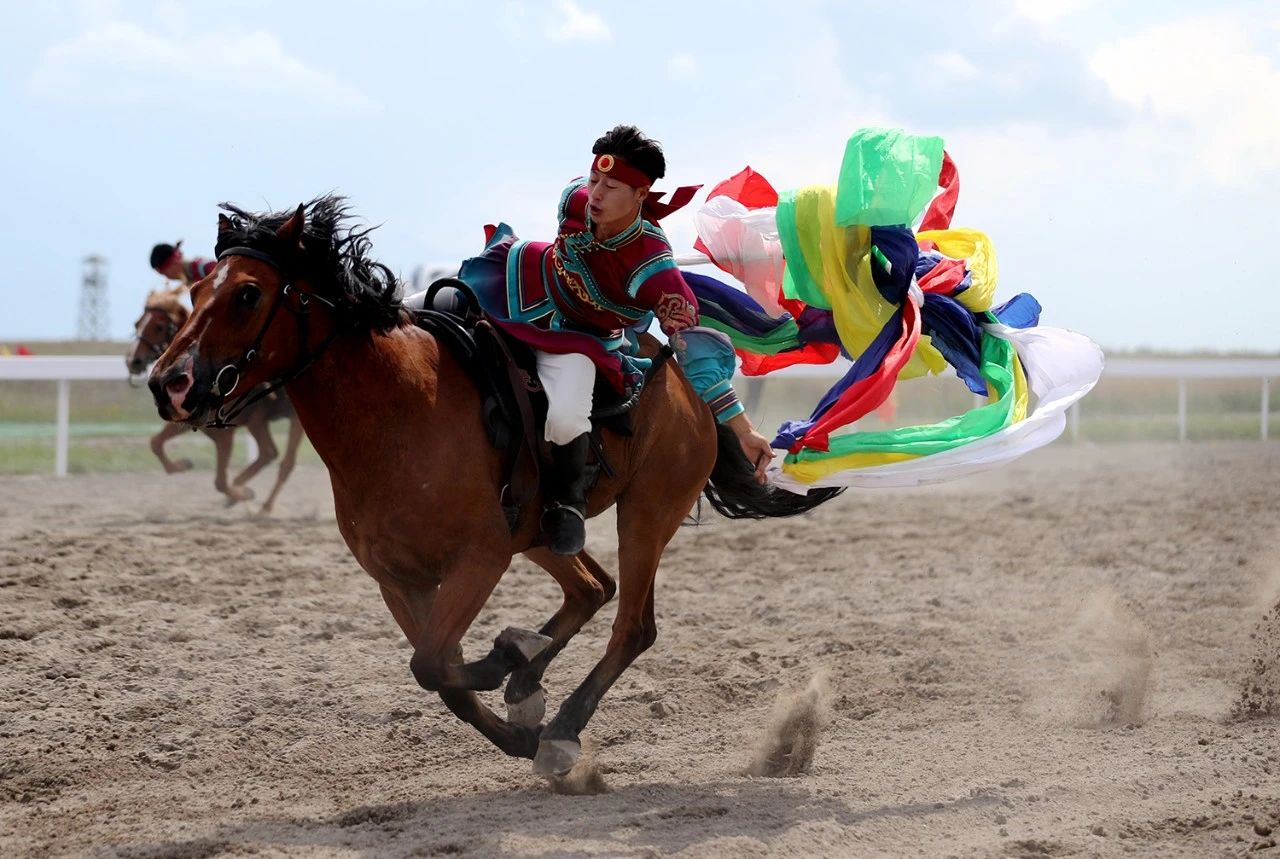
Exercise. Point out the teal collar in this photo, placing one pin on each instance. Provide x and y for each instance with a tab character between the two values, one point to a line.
615	242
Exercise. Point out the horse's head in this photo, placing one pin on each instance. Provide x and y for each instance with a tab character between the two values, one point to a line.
285	285
161	318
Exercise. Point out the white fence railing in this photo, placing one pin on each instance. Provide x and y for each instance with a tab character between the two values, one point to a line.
1263	369
64	369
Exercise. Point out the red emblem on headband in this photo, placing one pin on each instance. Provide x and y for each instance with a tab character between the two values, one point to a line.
619	169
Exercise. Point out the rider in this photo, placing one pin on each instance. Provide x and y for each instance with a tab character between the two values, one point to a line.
609	273
169	261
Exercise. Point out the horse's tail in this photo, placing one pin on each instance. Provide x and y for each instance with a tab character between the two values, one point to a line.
733	491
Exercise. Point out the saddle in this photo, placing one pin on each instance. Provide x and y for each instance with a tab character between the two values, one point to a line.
513	404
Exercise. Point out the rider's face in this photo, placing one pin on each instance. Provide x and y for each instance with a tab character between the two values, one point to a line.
611	202
173	268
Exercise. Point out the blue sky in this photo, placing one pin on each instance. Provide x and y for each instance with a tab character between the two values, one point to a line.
1123	157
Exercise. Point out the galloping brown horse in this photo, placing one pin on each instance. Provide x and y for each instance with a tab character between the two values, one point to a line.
416	484
161	318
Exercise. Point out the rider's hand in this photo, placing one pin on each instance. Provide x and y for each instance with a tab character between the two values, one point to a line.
755	447
758	452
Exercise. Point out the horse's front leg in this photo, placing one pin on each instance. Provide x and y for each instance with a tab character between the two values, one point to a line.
223	440
435	667
434	619
267	451
587	587
158	440
286	464
449	612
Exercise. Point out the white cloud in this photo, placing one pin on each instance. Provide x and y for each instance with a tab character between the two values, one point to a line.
119	61
1206	76
576	24
682	67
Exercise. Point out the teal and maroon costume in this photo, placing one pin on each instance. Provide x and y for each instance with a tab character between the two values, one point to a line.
579	294
198	268
194	269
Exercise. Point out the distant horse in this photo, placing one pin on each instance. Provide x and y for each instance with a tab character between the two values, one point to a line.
417	485
161	318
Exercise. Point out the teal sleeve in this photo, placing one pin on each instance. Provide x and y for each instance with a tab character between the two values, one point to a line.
708	362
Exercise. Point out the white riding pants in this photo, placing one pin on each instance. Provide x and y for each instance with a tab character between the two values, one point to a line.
569	380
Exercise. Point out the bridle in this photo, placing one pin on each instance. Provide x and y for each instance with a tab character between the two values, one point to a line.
156	349
228	376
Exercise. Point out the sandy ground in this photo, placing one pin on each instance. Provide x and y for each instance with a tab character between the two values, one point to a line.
1065	658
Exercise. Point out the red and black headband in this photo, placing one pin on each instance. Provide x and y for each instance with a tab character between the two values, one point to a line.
617	167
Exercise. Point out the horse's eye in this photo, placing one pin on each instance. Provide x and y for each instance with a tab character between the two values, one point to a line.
249	296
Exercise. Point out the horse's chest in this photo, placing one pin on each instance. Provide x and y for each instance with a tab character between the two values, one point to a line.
388	549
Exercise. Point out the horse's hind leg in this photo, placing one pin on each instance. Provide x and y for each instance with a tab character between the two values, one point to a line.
646	522
586	588
158	440
286	463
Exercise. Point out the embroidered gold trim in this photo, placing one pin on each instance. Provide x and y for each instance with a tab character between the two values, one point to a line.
574	283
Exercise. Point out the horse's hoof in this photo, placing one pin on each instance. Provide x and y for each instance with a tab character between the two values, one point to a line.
530	711
180	466
236	494
525	642
556	757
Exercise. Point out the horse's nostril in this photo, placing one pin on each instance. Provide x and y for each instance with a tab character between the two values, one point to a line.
178	384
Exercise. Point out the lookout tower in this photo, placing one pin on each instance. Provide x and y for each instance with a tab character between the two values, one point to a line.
93	299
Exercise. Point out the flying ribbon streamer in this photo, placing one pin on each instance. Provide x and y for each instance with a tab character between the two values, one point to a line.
872	269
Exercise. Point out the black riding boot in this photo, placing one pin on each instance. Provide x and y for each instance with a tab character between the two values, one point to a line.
564	522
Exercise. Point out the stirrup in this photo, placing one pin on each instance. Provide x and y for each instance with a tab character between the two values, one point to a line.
558	506
570	535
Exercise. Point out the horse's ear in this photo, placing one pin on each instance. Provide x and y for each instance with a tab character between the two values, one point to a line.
225	225
290	232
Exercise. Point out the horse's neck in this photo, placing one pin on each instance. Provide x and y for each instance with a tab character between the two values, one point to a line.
351	395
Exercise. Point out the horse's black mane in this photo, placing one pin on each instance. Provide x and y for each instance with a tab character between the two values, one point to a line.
333	258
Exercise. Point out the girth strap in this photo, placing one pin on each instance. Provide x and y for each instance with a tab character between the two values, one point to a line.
518	491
